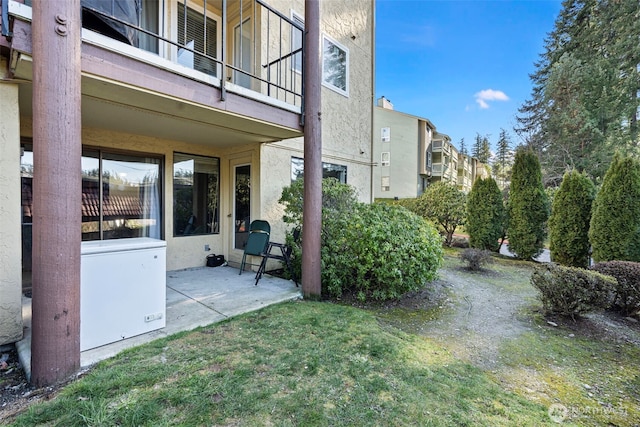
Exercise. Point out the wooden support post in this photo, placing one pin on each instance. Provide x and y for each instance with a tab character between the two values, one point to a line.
312	212
57	187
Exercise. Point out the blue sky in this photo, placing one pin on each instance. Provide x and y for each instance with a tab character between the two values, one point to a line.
463	64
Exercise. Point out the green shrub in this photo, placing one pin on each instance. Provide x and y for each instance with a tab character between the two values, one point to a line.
528	207
377	251
444	205
336	198
615	223
569	221
571	291
475	258
627	290
485	215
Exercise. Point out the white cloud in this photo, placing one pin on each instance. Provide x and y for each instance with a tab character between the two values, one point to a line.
489	95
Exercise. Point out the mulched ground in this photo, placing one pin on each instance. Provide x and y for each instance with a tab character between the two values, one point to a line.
16	393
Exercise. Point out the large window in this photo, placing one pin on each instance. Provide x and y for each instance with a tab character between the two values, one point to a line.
142	13
196	194
121	196
329	170
200	36
335	66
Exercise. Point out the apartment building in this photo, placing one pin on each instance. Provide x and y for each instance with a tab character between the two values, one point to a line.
410	154
192	124
402	150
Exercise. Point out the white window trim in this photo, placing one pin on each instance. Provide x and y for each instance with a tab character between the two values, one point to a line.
199	8
296	17
385	134
386	162
329	85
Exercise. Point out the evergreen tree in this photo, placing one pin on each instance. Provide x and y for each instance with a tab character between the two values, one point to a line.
615	223
503	159
485	215
482	148
585	88
569	221
462	148
528	208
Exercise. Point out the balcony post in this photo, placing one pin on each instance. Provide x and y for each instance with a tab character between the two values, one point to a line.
312	211
57	184
223	72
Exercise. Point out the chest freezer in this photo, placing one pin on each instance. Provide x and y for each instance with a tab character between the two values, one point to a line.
122	289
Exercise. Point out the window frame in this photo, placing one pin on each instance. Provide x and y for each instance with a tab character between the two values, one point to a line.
214	229
385	183
199	9
327	84
104	154
297	169
385	134
387	161
296	61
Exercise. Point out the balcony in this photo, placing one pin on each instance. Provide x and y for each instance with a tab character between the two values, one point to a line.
440	146
181	70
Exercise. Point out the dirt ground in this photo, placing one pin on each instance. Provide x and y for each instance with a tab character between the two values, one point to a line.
473	312
16	394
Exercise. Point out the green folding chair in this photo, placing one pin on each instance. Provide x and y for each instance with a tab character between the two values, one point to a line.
257	242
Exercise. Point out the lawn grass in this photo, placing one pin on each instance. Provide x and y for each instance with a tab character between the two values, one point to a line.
596	380
321	364
297	363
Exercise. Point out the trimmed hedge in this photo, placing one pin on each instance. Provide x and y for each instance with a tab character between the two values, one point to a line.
485	215
569	221
571	291
627	290
528	207
377	251
615	222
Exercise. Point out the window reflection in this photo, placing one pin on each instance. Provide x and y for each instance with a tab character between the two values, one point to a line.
196	194
120	196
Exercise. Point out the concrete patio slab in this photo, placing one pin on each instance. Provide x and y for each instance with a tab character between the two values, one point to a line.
195	297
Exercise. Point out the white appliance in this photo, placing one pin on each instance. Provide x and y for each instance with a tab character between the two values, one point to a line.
122	289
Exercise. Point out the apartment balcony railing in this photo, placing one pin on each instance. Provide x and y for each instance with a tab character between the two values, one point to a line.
436	169
243	46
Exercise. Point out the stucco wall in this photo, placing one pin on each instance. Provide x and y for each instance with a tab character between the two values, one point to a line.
346	120
403	148
10	235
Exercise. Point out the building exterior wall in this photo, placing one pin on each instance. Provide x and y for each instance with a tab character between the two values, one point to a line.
10	234
346	120
403	147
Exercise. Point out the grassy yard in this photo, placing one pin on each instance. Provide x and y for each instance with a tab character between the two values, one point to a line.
322	364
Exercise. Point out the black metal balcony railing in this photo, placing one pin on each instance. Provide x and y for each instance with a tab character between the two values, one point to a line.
263	52
264	56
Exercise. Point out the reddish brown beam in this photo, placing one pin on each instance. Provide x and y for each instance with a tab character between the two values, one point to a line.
57	184
312	211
